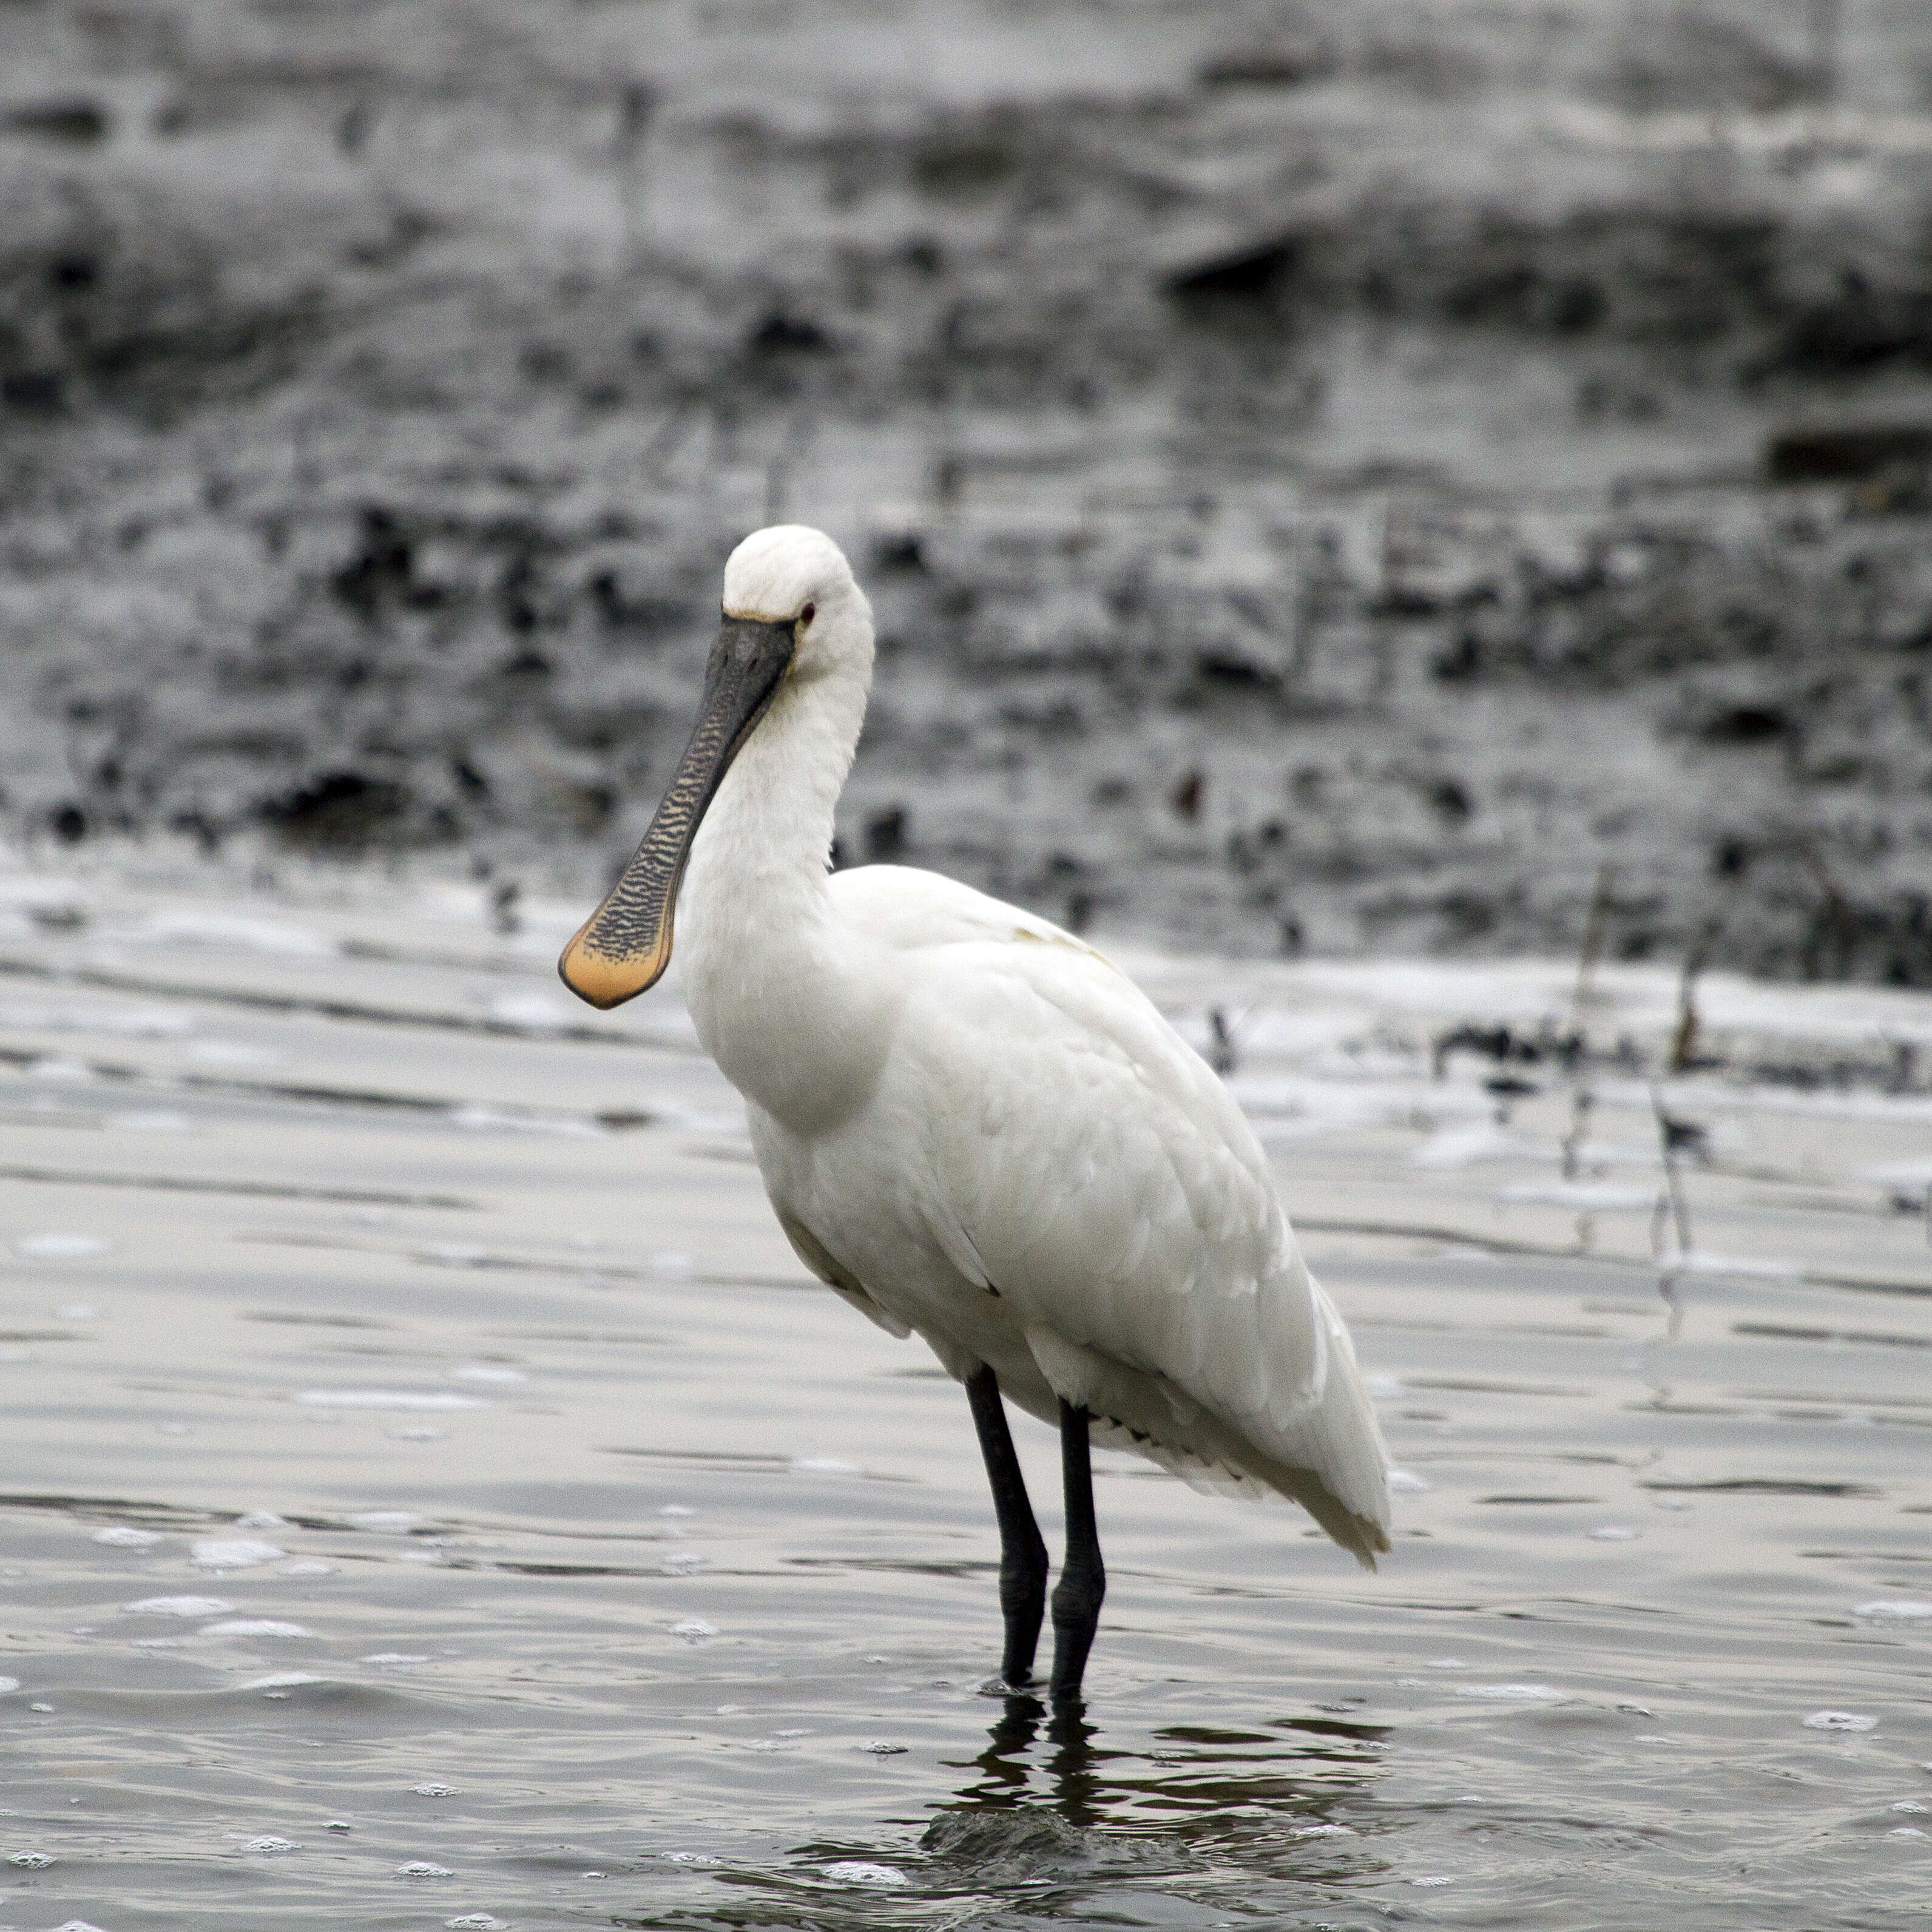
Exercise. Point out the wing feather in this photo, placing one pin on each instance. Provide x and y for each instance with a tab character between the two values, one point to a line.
1098	1174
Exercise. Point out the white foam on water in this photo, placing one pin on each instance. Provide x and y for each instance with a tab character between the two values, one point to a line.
689	1858
1908	1804
422	1868
282	1680
693	1630
825	1466
488	1372
124	1536
254	1627
386	1522
677	1509
1905	1831
1612	1532
535	1013
1512	1693
1465	1146
76	1925
1447	1663
151	1120
474	1119
882	1748
395	1399
477	1921
1839	1720
1751	1267
29	1860
1589	1197
423	1433
234	1552
1407	1483
184	926
395	1659
129	1022
261	1519
1437	1879
434	1790
78	1311
58	1245
672	1264
53	1071
308	1566
28	892
682	1563
268	1842
157	1643
861	1871
234	1053
179	1606
1895	1610
8	1684
1323	1831
1900	1174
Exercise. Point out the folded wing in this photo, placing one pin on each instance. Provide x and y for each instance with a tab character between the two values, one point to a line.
1091	1167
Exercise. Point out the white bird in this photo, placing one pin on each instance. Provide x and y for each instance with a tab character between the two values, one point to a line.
973	1125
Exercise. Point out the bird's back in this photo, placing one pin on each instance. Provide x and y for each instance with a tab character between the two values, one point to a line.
1074	1158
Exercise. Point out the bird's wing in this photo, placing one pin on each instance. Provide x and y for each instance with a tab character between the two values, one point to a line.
1089	1167
811	1250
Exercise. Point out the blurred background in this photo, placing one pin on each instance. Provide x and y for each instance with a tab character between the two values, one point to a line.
1332	481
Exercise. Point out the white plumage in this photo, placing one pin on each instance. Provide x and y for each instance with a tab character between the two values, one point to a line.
977	1129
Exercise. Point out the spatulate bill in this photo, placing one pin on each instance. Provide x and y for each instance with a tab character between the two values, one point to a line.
622	948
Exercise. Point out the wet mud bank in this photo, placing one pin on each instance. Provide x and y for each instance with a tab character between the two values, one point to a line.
1325	489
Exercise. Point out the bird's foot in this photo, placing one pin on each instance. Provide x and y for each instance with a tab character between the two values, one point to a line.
1003	1686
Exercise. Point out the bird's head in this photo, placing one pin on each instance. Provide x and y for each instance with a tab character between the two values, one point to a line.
795	581
793	614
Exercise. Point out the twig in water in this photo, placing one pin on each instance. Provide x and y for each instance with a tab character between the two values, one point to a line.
1671	1135
1593	943
1583	1097
1221	1055
1684	1042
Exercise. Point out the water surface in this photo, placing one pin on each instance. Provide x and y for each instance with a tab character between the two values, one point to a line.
434	1496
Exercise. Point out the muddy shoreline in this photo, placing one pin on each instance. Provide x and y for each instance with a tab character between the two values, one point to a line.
1325	491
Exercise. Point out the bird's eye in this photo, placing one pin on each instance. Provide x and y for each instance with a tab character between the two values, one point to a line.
810	611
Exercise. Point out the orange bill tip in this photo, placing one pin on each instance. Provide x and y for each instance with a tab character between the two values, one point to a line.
603	979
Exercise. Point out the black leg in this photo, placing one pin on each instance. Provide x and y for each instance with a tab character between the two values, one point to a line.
1083	1576
1022	1548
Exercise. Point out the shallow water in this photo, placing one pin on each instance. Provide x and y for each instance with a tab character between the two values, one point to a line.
433	1496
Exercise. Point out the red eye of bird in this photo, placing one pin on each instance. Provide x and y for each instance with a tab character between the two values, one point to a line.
810	611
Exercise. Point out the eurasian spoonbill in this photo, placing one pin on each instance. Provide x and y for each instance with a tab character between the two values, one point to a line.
972	1125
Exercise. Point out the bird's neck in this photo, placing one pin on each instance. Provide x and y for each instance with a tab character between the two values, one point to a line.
765	970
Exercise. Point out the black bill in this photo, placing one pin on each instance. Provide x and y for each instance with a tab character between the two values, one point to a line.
624	946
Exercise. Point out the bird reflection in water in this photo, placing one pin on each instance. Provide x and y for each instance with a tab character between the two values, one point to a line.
1197	1781
1070	1765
